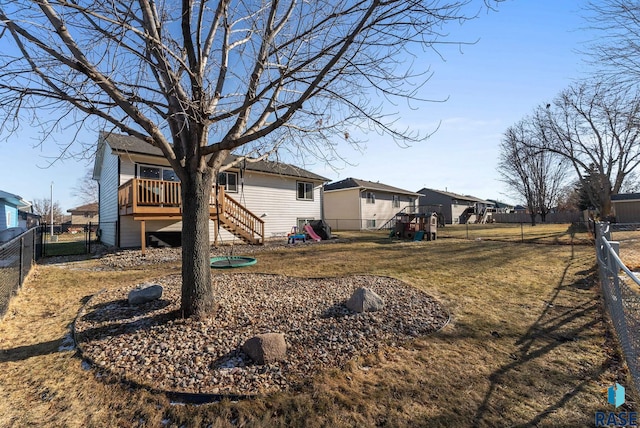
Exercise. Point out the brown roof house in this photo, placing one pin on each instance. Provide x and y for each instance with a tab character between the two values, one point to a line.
84	214
354	204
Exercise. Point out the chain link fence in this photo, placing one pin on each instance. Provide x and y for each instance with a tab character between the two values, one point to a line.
68	239
509	232
16	259
621	290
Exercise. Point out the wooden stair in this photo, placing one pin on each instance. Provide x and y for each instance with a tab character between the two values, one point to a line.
237	219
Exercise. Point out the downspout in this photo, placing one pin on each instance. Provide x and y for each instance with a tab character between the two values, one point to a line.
360	207
117	225
322	201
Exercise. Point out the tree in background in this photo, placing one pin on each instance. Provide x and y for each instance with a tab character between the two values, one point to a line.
200	79
42	207
595	128
615	53
86	189
569	198
536	176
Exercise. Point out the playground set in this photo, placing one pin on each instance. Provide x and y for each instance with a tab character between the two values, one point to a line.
416	226
302	236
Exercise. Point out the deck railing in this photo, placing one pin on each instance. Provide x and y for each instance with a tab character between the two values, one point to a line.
147	192
148	196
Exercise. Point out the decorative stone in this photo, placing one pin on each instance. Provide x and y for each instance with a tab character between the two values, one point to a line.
266	348
365	300
145	293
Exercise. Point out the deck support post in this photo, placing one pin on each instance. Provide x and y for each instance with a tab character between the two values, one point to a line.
142	236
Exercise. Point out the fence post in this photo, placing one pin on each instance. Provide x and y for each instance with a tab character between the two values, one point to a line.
87	238
33	245
21	275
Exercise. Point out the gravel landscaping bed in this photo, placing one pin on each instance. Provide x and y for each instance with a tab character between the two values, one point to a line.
151	345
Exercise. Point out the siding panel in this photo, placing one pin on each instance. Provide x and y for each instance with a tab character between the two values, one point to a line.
108	203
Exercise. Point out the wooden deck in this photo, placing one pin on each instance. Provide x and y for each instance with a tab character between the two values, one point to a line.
147	199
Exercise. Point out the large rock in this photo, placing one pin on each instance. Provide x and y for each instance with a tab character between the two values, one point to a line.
144	293
365	300
266	348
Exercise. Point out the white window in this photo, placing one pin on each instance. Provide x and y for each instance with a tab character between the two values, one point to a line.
371	224
371	198
229	180
396	201
305	190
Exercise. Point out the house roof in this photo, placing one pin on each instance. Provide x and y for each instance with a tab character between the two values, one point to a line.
457	196
354	183
128	144
625	197
92	207
14	199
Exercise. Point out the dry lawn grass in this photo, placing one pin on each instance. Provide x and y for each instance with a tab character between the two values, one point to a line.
516	232
527	345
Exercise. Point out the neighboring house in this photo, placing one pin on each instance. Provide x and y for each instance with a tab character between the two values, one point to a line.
626	207
10	205
455	208
502	207
139	197
27	218
84	214
353	204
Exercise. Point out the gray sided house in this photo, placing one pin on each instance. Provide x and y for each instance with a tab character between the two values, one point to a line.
139	197
457	209
353	204
626	207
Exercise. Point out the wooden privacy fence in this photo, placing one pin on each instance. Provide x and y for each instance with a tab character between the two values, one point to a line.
564	217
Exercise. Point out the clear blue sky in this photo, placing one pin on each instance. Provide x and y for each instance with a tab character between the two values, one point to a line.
525	55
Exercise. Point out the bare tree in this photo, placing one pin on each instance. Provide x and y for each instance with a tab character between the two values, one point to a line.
535	175
615	53
596	129
42	207
86	189
200	79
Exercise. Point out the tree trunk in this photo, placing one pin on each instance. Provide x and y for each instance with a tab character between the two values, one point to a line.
197	294
533	219
605	203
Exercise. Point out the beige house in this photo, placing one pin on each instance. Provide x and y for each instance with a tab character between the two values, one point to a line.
84	214
139	197
626	207
354	204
